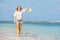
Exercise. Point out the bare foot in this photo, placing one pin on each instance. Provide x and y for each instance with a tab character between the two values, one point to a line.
18	38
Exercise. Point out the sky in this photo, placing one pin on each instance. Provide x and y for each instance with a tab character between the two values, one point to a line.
43	10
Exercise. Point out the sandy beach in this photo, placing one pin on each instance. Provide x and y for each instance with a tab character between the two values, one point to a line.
30	32
15	37
27	37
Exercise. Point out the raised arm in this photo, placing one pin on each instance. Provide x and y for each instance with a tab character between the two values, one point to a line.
26	9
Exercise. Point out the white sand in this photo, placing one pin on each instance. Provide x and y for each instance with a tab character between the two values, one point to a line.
8	33
27	37
8	37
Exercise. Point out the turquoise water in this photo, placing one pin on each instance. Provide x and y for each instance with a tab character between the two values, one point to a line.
42	31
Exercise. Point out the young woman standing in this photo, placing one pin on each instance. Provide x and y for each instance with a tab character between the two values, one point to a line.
18	18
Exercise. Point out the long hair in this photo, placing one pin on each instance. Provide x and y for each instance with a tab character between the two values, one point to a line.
17	8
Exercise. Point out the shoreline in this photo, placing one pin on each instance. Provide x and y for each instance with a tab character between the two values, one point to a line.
49	22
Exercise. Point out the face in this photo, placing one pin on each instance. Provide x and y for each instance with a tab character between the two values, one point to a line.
19	8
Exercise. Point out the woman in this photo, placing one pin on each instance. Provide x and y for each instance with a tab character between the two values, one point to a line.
18	18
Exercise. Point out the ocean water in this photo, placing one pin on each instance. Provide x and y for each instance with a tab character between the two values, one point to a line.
30	31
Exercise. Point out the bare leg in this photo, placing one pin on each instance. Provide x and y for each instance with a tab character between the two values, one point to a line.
19	26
